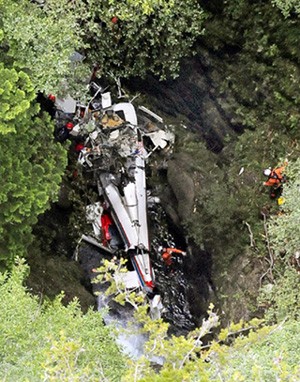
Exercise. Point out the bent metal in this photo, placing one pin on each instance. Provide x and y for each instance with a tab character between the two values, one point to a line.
110	140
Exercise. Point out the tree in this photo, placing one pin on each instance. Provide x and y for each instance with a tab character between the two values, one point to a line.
50	341
259	48
16	94
39	41
35	54
31	162
284	227
241	352
281	296
245	351
287	6
135	37
127	38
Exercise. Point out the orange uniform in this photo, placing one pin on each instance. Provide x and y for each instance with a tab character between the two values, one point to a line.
276	177
167	255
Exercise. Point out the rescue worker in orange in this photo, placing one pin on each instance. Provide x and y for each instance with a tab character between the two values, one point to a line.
168	255
275	180
275	177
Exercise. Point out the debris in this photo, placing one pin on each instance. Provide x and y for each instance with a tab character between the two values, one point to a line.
110	140
66	105
76	56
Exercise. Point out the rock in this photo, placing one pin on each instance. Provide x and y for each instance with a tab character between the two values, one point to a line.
194	99
241	284
182	185
50	275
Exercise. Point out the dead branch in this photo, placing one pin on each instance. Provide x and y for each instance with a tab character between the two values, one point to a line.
252	241
206	327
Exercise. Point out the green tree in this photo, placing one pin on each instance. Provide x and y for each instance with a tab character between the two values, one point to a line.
16	95
260	49
31	162
284	228
252	54
281	297
135	37
40	40
127	38
287	6
50	341
242	352
245	351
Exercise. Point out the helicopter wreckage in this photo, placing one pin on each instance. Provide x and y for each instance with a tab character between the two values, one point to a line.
115	141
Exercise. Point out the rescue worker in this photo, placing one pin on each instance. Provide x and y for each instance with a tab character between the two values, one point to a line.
275	180
168	256
62	133
275	176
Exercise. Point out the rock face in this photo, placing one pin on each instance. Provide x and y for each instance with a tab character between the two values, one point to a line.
177	195
182	185
193	100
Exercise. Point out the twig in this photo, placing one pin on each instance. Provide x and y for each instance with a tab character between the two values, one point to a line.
252	241
153	347
136	372
207	325
136	96
196	343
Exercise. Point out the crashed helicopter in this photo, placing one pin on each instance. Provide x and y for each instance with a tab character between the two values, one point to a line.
115	141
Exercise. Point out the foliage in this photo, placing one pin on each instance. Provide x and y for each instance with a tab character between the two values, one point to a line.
281	299
268	354
127	38
131	37
257	354
284	228
252	56
240	352
217	224
150	35
230	203
234	176
16	94
31	163
112	273
262	72
253	152
212	190
52	342
287	6
40	40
